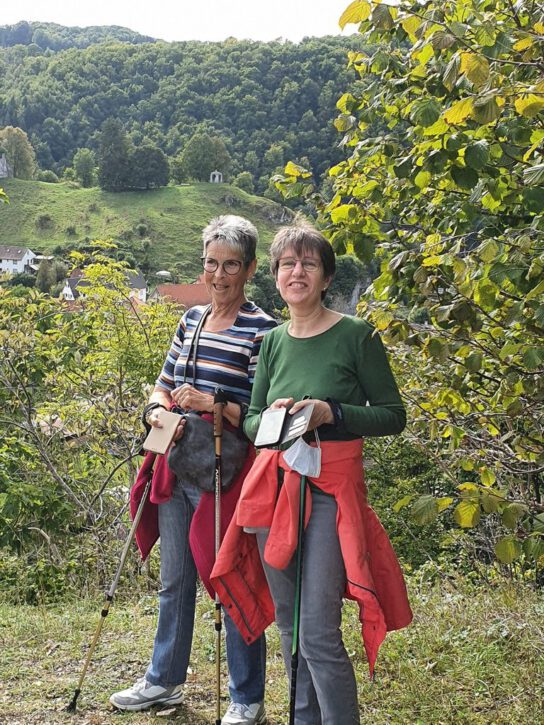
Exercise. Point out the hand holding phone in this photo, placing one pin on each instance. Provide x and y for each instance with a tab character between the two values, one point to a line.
159	439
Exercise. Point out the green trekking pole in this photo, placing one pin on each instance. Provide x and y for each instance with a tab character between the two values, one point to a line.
298	591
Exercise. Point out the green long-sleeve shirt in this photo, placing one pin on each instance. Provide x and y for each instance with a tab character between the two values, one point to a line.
346	363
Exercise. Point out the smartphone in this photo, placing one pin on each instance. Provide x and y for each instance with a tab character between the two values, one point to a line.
159	439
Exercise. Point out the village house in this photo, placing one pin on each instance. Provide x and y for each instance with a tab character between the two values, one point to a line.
5	169
16	260
74	287
183	295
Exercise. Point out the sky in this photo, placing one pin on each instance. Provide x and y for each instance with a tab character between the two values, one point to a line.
190	19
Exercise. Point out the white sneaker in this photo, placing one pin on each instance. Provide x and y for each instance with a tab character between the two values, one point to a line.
143	695
239	714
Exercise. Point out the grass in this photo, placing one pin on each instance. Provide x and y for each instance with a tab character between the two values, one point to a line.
471	656
42	216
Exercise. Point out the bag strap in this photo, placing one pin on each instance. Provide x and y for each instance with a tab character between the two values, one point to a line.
193	347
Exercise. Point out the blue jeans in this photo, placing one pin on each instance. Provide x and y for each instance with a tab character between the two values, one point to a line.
177	599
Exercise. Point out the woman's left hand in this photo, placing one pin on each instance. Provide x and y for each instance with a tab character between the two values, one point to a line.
321	413
190	398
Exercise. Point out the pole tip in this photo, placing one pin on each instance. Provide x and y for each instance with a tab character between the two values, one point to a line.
71	707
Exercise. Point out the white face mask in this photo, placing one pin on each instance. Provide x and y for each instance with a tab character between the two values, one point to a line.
304	459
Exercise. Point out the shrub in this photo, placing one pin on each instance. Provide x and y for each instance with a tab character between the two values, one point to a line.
244	181
24	279
49	176
44	221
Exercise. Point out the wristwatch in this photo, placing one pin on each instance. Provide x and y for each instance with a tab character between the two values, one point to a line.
147	410
337	413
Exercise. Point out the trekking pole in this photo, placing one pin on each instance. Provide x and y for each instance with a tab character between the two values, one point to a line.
298	591
219	402
71	707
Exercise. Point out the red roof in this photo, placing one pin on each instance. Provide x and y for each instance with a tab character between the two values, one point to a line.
186	295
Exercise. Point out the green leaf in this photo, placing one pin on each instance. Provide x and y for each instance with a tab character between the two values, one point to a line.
423	179
507	549
475	67
401	503
533	548
533	357
529	105
533	198
442	40
343	213
459	111
382	18
292	169
512	513
382	319
437	348
485	294
486	33
455	141
473	362
469	491
410	24
537	291
467	514
425	510
477	154
486	109
534	175
488	250
425	112
538	523
464	177
347	103
487	476
443	502
451	74
356	12
363	246
460	29
344	123
403	168
491	502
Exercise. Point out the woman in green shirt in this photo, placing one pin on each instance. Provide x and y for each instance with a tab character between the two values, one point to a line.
338	364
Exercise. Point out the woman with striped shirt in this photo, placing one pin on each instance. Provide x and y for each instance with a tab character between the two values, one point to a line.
226	356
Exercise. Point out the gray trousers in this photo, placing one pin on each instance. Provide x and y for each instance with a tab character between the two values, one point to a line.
326	687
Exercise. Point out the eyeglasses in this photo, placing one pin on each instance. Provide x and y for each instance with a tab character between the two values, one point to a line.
287	264
230	266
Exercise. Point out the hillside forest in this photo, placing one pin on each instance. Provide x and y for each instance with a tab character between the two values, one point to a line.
266	102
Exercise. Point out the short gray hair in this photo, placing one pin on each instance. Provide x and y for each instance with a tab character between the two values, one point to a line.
235	232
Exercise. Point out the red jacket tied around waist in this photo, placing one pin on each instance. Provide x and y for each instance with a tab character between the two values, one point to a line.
374	577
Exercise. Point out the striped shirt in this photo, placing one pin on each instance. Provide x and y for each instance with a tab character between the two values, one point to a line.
227	359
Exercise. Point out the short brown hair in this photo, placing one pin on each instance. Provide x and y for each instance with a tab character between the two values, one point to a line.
300	237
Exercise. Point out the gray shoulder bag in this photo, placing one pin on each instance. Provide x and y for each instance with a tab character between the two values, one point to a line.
192	458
